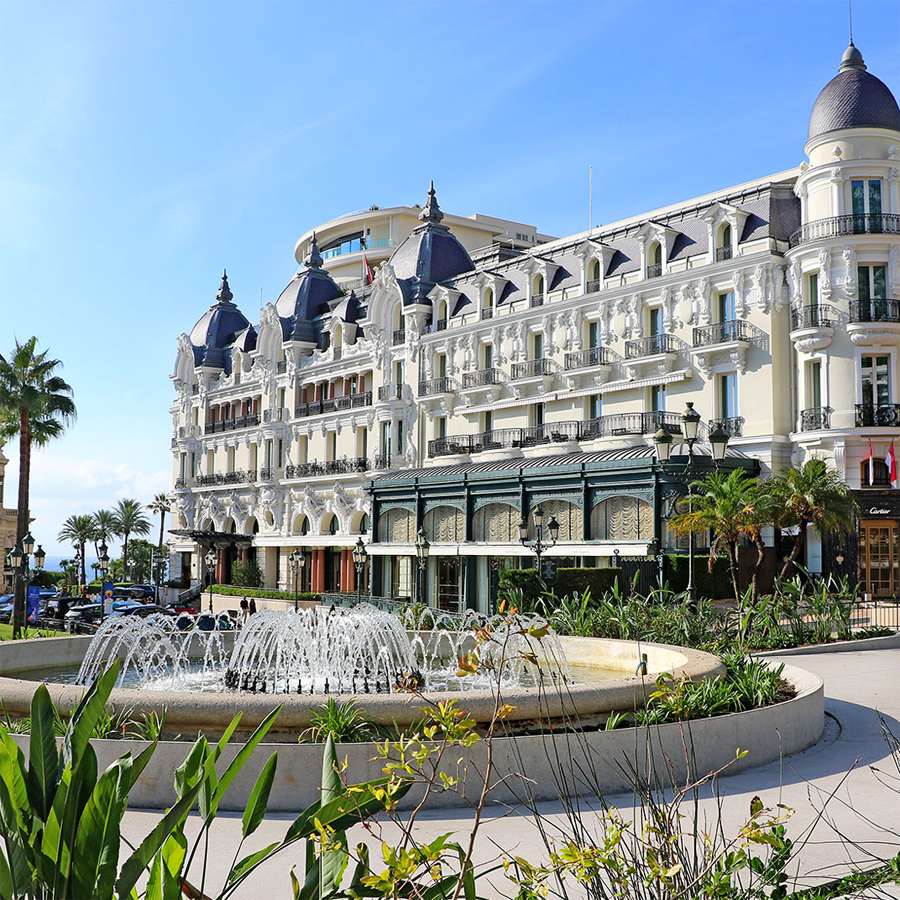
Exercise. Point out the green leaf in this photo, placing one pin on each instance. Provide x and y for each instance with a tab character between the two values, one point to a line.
18	853
332	862
259	799
187	773
87	714
43	758
248	862
14	773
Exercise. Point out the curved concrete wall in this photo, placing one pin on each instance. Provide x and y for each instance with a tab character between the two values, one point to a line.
188	713
766	734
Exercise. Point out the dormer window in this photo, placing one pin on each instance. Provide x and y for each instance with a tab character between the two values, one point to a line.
654	266
594	276
487	304
441	321
537	291
723	245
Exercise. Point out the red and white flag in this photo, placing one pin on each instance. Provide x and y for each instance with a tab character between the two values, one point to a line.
369	274
871	465
890	460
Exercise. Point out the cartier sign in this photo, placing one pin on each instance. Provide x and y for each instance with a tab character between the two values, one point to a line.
875	511
879	504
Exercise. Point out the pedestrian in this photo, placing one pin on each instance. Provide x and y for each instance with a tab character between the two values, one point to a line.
245	609
252	606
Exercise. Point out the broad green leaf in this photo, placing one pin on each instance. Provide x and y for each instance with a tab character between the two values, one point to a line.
332	862
140	762
242	869
87	714
362	865
189	770
167	827
259	799
96	852
14	773
207	803
43	757
18	853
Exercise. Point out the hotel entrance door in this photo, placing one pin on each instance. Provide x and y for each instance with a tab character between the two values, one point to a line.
879	557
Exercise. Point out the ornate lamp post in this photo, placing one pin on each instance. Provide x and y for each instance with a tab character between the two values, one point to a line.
359	561
211	559
297	561
18	560
718	440
539	544
158	564
103	564
423	548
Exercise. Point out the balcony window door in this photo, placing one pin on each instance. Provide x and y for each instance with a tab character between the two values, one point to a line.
593	335
487	356
594	406
230	459
656	322
812	289
728	407
658	398
726	307
440	427
487	304
440	366
398	372
487	421
876	380
537	414
386	439
362	443
537	346
814	384
866	201
331	445
872	283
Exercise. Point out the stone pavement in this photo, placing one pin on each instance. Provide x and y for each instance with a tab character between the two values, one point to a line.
850	768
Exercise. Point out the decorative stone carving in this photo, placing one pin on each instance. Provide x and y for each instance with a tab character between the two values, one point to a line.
779	288
796	281
824	273
894	275
849	278
549	328
740	298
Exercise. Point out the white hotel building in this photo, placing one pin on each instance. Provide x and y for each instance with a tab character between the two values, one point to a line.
489	370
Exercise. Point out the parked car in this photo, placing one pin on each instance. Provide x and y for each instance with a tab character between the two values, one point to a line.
91	613
141	590
144	610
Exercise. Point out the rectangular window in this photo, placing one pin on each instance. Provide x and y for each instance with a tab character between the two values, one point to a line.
487	356
593	335
398	372
440	427
230	459
386	439
814	384
658	398
210	462
594	406
726	307
866	197
193	471
398	448
440	368
537	414
279	457
728	406
537	346
872	282
303	450
876	380
812	289
656	321
331	445
182	465
362	443
487	421
268	454
353	385
253	455
281	395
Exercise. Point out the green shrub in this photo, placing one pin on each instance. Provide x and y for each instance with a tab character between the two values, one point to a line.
231	591
246	573
577	581
715	585
523	586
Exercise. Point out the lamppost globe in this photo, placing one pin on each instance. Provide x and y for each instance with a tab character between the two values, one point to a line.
523	530
663	442
690	421
15	557
39	557
28	544
553	528
718	441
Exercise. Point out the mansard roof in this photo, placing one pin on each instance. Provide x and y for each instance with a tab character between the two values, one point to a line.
306	297
217	329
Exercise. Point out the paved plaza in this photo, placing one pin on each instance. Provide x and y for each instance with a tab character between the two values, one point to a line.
861	820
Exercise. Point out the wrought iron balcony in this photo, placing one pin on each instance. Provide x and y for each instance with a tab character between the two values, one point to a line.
537	300
583	359
382	462
813	316
450	446
281	366
276	414
482	378
651	346
240	476
636	423
184	482
733	426
882	415
249	421
329	467
390	392
874	311
594	285
654	271
723	253
398	337
839	226
815	419
269	473
722	333
533	368
440	325
437	386
487	313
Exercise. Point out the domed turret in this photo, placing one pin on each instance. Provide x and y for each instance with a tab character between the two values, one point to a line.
431	254
853	99
217	329
306	296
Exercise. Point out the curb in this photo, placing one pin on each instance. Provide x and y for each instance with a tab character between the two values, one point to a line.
887	642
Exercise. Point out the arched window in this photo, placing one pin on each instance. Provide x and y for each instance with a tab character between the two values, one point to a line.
568	516
622	519
496	523
441	322
723	245
301	524
338	341
537	291
445	525
330	524
594	276
487	304
397	526
654	266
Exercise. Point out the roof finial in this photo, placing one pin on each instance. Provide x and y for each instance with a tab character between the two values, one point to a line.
432	212
224	294
850	17
852	59
313	257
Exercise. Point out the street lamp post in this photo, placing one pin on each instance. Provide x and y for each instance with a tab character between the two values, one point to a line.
539	544
423	548
103	563
297	561
18	560
211	559
718	440
359	561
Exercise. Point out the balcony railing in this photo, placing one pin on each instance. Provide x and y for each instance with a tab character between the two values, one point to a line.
882	415
482	377
722	333
654	271
733	426
450	446
487	313
584	359
390	392
184	482
281	366
398	337
238	422
241	476
636	423
381	462
437	386
838	226
594	285
816	418
533	368
651	346
269	473
275	414
333	404
723	253
440	325
537	300
195	388
815	316
329	467
874	311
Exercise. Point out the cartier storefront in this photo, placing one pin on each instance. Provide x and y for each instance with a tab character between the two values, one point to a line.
879	542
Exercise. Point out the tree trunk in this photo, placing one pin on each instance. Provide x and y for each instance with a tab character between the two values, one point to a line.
799	541
733	569
760	556
22	519
125	557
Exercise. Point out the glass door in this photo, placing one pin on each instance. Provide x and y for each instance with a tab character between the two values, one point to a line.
448	593
879	557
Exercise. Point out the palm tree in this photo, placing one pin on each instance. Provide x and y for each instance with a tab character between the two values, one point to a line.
79	530
160	505
811	495
733	507
35	406
105	527
130	519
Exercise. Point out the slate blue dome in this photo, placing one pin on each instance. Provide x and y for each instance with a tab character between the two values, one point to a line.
306	297
854	99
217	329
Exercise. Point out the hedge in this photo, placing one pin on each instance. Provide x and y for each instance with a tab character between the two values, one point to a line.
577	581
231	591
715	585
525	580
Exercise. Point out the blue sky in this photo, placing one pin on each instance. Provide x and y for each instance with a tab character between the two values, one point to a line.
146	145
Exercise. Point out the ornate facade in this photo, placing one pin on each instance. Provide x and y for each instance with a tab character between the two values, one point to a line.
446	393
